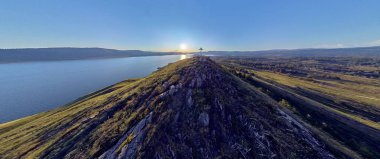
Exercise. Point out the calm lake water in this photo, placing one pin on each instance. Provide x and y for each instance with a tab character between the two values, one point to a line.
29	88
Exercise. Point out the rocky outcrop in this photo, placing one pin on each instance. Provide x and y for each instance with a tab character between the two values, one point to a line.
135	135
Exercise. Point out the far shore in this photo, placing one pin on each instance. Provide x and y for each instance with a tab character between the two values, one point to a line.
75	59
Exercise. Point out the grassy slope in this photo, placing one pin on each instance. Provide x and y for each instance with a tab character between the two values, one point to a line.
14	134
354	88
19	122
344	90
32	136
348	88
294	82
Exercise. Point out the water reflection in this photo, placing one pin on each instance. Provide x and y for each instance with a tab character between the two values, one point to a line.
185	56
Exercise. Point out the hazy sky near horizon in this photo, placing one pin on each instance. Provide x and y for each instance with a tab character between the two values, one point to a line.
162	25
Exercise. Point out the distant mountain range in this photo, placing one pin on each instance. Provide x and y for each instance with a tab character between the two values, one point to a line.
54	54
336	52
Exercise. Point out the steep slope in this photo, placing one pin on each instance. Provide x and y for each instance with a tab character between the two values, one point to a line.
189	109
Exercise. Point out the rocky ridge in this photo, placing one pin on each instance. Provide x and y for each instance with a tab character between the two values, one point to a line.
190	109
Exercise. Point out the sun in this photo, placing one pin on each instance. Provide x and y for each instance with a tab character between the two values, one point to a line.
183	47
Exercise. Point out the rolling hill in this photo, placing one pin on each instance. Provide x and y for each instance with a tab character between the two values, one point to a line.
193	108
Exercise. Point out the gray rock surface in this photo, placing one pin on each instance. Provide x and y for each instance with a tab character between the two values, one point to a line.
204	119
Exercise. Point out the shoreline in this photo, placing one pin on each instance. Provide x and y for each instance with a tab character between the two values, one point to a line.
78	59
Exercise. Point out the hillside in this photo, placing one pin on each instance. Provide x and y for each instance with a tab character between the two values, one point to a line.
56	54
193	108
336	52
337	97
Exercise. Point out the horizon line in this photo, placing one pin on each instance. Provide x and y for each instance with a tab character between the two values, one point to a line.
191	51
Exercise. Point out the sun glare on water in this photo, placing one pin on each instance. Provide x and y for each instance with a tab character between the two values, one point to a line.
183	57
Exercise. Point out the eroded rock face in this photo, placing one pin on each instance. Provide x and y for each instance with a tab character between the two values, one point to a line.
172	90
136	135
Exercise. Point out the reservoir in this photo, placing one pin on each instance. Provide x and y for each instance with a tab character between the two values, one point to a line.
33	87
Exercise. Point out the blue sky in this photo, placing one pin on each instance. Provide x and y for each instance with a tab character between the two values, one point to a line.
162	25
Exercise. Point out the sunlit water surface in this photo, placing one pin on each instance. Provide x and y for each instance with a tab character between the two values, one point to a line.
29	88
